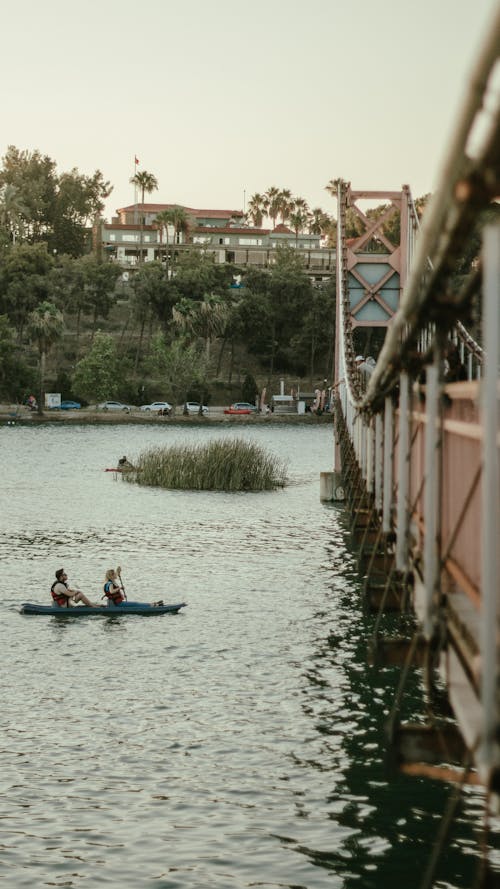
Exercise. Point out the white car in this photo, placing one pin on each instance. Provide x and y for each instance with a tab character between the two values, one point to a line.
157	406
193	407
113	406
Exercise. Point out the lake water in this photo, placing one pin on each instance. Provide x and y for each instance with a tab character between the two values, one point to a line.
237	744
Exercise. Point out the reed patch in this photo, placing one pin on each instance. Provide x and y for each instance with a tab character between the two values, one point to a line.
234	465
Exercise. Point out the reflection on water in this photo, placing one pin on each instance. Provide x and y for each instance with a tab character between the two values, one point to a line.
237	744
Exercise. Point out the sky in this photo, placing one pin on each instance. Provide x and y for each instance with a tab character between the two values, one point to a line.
222	100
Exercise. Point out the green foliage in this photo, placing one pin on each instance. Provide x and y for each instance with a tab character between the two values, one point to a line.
235	465
45	326
49	207
15	376
98	375
179	365
152	292
24	281
249	389
99	283
281	295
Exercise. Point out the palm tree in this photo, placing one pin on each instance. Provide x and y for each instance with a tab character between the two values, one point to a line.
300	205
45	327
162	222
298	221
273	208
332	187
180	221
205	318
286	204
256	209
319	222
147	183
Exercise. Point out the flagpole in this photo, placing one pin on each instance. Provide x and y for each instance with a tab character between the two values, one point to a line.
135	191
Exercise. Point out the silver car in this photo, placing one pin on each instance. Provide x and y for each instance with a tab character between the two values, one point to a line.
157	406
193	407
114	406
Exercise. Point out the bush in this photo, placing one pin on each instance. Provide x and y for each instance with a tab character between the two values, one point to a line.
216	466
249	389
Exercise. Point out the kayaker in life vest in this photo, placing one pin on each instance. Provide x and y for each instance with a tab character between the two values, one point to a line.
113	590
115	593
63	595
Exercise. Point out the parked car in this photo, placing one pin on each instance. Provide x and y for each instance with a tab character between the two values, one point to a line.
193	407
113	406
70	406
241	407
158	407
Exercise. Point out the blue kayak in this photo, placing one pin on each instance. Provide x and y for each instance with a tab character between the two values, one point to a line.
106	610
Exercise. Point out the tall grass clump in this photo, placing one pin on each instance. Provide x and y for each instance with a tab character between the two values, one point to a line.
235	465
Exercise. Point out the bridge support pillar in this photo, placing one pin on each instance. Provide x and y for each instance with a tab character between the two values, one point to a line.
331	487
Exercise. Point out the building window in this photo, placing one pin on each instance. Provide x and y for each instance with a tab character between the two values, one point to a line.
250	242
112	237
133	238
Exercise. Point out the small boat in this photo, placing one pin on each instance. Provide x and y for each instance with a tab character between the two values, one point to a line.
106	610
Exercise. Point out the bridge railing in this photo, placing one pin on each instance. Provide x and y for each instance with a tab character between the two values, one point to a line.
427	454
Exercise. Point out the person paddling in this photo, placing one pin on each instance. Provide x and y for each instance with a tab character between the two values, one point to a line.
63	595
114	590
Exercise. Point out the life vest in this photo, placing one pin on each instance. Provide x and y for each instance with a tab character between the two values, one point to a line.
113	592
60	598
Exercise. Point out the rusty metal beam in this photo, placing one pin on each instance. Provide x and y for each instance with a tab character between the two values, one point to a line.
438	745
387	651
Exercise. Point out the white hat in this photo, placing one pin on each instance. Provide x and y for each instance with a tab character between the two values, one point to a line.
359	358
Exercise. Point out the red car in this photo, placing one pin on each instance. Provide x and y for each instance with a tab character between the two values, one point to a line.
241	407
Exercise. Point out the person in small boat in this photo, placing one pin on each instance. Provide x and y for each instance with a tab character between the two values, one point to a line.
114	592
125	465
63	595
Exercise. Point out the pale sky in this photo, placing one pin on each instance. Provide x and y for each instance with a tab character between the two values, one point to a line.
220	100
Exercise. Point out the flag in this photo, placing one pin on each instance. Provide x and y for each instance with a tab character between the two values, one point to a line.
137	160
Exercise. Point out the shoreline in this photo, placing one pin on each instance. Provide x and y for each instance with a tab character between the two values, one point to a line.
10	416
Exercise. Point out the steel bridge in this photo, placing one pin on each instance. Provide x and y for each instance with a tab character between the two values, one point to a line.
417	436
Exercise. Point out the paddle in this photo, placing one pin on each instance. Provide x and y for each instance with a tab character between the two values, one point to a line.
119	572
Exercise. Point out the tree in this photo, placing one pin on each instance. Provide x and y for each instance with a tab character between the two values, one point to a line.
24	281
35	178
273	203
256	209
285	204
249	390
181	366
13	211
205	318
79	201
277	299
152	292
298	221
66	287
45	327
99	282
181	222
147	182
98	375
15	376
319	222
51	207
